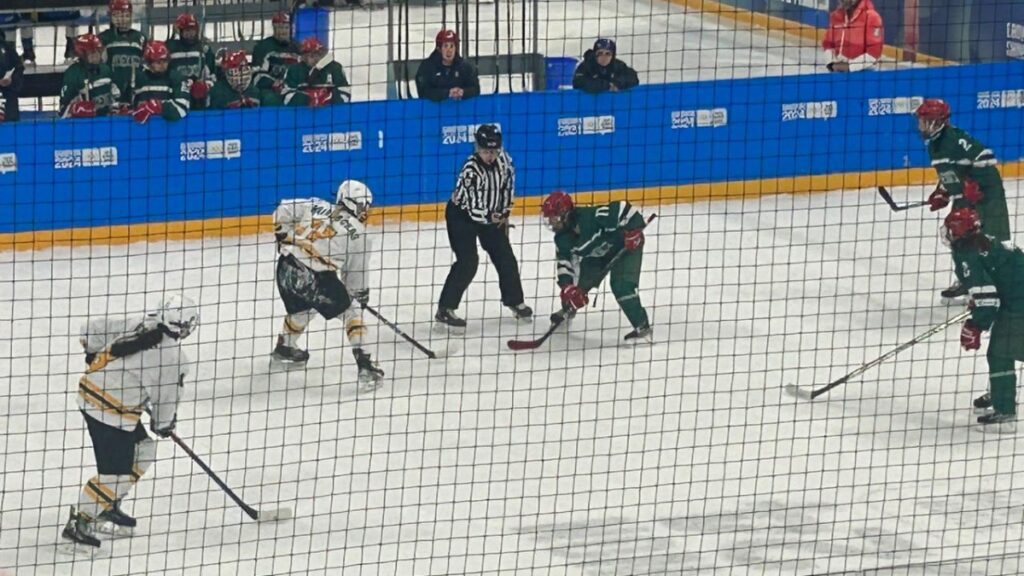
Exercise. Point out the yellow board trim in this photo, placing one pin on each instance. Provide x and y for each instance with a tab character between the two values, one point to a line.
777	24
649	196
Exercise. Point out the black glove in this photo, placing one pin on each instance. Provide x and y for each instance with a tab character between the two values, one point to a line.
166	430
499	219
362	296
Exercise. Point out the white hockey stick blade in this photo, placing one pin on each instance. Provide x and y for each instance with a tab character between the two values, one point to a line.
794	390
274	515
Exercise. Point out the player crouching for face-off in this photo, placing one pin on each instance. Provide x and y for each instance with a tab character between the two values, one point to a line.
322	267
587	238
993	274
135	365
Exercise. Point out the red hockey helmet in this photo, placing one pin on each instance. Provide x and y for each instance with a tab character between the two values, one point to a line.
557	209
120	14
281	17
311	45
235	59
87	44
118	6
446	36
186	21
960	223
237	69
932	116
156	50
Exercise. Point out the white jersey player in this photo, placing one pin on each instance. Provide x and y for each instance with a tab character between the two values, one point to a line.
135	365
321	269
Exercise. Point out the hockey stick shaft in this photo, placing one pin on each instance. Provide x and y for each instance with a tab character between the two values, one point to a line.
430	353
249	510
917	339
884	193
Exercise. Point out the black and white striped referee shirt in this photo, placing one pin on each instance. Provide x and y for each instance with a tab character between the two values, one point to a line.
485	189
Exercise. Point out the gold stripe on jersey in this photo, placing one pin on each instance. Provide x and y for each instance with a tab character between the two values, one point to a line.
106	403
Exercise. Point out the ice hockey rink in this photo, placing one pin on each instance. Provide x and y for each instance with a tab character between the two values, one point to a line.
583	457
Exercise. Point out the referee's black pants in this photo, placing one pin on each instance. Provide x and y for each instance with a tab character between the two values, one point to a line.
463	233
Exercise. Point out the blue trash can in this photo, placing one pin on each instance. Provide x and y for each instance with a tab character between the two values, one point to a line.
559	71
313	22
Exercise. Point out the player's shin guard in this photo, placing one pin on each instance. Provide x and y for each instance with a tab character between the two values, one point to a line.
103	493
294	326
1003	384
355	330
633	309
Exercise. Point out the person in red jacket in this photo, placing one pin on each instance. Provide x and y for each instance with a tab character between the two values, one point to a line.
854	39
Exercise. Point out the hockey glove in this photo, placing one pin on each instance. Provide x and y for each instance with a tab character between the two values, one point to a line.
499	219
938	199
970	336
972	192
243	102
634	239
147	110
166	430
199	90
318	97
573	297
82	109
362	296
277	86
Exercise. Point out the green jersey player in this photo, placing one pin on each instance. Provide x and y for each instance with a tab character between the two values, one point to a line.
587	238
158	91
272	56
192	59
88	88
238	89
123	46
967	175
993	273
317	80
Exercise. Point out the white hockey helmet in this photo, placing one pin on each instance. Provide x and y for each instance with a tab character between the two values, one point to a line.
179	316
355	197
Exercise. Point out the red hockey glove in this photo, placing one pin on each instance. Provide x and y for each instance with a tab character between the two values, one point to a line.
277	86
970	336
573	297
633	238
318	96
244	102
972	192
199	90
145	110
82	109
938	199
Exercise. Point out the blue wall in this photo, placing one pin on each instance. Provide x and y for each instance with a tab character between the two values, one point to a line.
403	156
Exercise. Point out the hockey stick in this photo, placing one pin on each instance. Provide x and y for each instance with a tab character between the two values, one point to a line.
810	395
257	515
898	207
430	353
518	345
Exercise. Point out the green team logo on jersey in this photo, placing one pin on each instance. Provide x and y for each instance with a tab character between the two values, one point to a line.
125	61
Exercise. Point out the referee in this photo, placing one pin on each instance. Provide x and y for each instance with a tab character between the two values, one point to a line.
479	210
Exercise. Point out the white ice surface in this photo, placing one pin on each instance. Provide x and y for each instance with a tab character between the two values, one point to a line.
582	457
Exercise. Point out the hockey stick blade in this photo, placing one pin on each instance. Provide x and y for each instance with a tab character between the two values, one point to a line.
798	392
892	203
273	515
519	345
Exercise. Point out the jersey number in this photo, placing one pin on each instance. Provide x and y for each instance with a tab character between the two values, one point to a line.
964	144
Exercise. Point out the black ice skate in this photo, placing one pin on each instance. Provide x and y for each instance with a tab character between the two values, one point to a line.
28	52
371	376
998	423
982	404
563	315
642	335
954	294
78	534
447	317
288	355
521	312
69	51
115	522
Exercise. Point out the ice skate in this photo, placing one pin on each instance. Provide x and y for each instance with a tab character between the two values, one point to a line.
371	376
115	522
998	423
955	294
448	320
641	335
289	356
77	538
563	316
521	312
983	404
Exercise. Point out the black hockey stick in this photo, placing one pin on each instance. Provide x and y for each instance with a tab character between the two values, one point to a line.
898	207
257	515
812	394
430	353
518	345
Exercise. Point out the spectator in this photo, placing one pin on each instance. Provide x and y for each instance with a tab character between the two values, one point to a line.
124	48
192	59
238	89
12	73
158	91
317	80
88	89
601	71
854	39
445	74
273	55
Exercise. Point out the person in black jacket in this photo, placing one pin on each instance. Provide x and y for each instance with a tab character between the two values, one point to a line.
444	74
601	71
12	74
